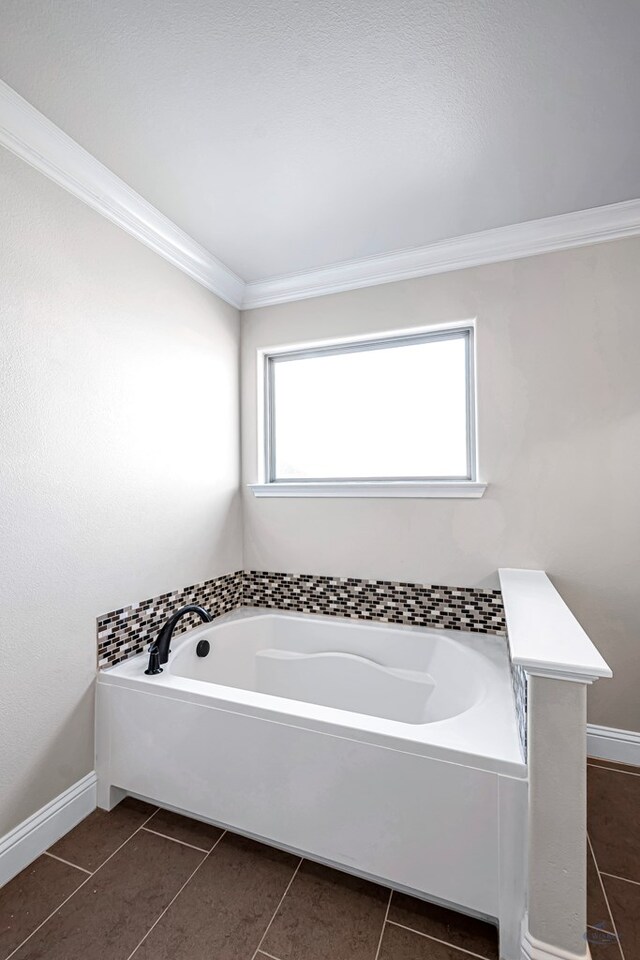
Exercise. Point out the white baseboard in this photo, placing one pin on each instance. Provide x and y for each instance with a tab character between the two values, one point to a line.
607	743
534	949
33	836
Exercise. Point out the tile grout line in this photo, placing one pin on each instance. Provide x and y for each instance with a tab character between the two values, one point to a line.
606	898
184	843
80	886
173	899
68	862
606	943
281	901
384	924
614	876
446	943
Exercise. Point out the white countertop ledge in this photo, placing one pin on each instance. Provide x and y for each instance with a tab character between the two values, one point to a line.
545	638
380	489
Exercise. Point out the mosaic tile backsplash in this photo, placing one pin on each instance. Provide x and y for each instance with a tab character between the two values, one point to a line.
125	632
128	631
519	681
452	608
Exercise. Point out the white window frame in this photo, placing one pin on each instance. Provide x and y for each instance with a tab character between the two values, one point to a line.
449	487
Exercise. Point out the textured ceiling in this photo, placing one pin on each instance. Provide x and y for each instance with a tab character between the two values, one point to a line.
288	134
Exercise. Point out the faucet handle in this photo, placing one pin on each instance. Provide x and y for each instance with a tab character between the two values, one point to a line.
154	660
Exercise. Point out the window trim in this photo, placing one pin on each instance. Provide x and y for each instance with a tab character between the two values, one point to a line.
449	487
376	489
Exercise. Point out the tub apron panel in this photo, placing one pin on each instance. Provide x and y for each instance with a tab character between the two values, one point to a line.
412	821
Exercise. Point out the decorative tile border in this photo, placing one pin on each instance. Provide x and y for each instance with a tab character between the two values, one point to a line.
519	681
125	632
451	608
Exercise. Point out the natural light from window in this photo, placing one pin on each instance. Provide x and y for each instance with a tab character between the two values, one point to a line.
398	410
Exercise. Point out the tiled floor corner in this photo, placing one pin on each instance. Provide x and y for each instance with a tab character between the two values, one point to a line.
141	883
613	822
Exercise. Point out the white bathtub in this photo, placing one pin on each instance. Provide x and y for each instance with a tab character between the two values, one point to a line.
391	752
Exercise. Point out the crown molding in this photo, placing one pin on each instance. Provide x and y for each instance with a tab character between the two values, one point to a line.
514	242
30	135
27	133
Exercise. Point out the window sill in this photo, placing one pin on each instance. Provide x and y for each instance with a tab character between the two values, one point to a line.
378	489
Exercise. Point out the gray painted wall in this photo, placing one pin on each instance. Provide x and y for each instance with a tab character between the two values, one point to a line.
119	465
558	351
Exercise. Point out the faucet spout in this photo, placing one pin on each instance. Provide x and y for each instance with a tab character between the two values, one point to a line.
159	649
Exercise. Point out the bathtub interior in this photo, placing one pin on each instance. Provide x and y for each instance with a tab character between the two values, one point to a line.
413	677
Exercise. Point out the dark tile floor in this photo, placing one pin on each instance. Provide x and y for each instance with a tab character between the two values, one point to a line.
143	884
613	822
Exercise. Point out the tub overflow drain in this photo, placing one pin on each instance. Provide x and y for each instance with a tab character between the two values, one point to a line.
203	648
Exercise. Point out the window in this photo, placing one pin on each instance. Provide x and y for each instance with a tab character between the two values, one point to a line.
388	416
